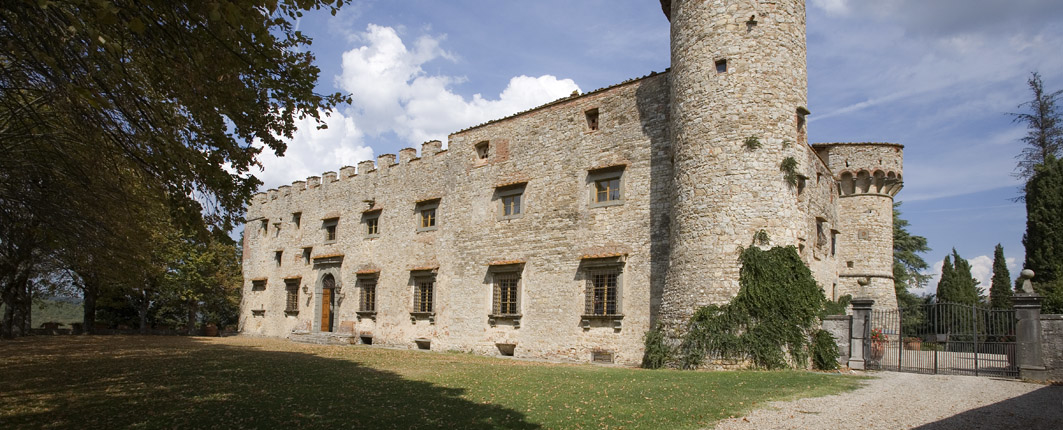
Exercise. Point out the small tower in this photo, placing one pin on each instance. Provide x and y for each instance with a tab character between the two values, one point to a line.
738	96
869	175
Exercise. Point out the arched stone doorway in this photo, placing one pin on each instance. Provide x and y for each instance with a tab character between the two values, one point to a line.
328	302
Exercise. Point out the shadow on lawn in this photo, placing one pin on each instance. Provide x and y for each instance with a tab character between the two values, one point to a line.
187	383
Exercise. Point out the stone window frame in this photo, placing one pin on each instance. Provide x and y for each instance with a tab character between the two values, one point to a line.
264	226
483	151
423	303
592	116
307	251
497	275
297	219
291	288
367	293
606	174
511	191
426	221
589	269
371	223
259	284
331	229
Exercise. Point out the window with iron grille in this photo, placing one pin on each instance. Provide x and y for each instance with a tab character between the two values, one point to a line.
292	288
423	291
367	285
603	289
506	294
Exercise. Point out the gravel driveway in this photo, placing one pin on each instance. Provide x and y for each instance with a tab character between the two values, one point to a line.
895	400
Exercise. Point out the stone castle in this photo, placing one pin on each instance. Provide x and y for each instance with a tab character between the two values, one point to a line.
567	231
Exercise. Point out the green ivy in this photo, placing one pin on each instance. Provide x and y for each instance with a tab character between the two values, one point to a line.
836	308
752	142
657	353
777	306
789	168
824	351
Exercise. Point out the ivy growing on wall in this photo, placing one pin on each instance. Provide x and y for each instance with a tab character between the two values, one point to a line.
769	322
789	169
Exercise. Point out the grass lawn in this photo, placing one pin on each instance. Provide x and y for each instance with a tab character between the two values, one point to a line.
188	382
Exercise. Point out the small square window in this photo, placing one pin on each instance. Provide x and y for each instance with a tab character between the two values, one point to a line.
297	218
483	150
592	119
512	201
427	217
258	285
329	225
721	66
607	187
371	220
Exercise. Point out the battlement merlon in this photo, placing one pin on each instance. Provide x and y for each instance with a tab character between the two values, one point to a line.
865	168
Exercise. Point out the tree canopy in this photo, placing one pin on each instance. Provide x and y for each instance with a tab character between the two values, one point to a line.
908	265
118	116
956	284
1044	231
1044	136
1000	290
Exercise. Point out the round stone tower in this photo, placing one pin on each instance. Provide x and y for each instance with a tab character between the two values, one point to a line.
869	175
738	97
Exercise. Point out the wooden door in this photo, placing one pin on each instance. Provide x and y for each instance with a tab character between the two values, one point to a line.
326	309
327	284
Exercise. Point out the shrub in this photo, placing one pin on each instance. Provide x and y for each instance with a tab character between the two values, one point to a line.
824	351
657	353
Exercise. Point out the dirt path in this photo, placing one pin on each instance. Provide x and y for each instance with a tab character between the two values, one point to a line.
903	400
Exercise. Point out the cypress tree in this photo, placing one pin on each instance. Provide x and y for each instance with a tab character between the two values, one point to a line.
1044	232
945	292
957	285
1000	291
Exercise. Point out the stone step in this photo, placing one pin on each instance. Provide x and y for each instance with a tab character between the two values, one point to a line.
323	338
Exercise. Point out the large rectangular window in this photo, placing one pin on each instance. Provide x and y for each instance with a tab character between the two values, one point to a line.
423	293
291	286
367	287
603	289
511	198
506	294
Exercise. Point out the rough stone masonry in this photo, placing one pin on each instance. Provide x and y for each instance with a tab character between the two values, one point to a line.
567	231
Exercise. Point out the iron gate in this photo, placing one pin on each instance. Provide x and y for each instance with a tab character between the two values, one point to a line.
946	338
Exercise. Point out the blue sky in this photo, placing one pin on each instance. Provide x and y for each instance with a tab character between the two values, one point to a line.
936	76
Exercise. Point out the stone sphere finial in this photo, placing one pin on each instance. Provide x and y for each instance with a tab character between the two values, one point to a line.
1026	274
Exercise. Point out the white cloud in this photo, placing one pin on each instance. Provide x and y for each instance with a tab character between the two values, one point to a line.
312	151
392	92
832	7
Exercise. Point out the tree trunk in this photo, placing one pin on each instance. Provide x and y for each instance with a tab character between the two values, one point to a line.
90	290
6	327
191	317
142	310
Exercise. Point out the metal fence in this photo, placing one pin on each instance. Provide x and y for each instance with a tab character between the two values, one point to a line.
946	338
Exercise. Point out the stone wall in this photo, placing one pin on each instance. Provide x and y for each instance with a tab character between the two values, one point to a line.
1052	345
738	76
553	155
868	175
839	326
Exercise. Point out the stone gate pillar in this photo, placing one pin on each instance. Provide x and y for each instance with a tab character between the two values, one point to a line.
860	329
1028	331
